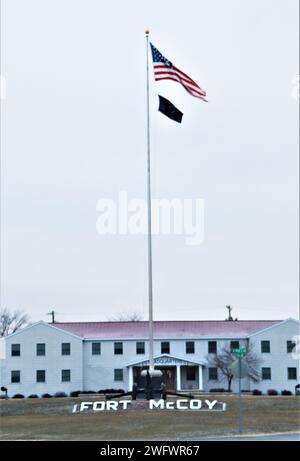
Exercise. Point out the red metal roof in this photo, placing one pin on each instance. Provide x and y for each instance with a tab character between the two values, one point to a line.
166	329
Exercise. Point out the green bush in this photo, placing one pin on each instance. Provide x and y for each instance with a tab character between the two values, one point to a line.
285	392
272	392
111	391
75	393
60	394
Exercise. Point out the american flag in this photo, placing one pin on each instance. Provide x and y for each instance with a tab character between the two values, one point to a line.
165	70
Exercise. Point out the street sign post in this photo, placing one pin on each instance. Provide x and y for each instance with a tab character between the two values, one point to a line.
235	369
240	371
240	352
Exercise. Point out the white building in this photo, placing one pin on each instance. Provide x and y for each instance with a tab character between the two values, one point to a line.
65	357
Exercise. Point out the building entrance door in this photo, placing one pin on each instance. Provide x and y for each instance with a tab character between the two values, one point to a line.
169	376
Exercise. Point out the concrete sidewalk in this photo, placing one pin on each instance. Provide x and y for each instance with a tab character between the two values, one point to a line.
282	437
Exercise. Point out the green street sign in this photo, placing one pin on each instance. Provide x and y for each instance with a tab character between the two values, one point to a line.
240	352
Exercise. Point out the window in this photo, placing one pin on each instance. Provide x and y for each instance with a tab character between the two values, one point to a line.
234	345
190	347
290	345
266	373
15	376
292	373
165	347
140	347
96	348
191	373
65	349
118	348
265	347
213	374
66	376
212	347
15	350
41	349
40	376
118	374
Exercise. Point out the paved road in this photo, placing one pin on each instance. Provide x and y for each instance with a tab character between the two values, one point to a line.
259	438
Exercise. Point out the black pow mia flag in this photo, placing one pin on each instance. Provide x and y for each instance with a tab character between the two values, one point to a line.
169	110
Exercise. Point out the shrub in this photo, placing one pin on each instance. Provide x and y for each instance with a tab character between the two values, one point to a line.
256	392
18	396
285	392
46	396
33	396
60	394
111	391
272	392
88	392
217	389
75	393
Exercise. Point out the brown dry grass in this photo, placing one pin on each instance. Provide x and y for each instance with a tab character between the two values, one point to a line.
51	419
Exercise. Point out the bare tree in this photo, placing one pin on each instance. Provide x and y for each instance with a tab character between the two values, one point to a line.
224	359
10	322
127	317
253	362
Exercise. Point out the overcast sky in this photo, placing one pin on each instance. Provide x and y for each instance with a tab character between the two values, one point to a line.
73	132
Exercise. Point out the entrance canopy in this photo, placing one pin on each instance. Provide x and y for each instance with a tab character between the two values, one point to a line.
168	360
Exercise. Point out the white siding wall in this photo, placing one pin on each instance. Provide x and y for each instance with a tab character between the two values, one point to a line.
99	369
278	359
2	348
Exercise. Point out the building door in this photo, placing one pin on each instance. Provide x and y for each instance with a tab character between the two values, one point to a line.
169	375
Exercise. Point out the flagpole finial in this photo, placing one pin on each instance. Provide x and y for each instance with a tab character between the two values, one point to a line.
147	31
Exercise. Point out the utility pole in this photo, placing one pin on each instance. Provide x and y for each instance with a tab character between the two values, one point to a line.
52	313
230	318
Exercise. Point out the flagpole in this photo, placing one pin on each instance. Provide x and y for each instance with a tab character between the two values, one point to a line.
150	290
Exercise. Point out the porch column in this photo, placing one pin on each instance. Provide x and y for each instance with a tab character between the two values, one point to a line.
178	377
200	377
130	378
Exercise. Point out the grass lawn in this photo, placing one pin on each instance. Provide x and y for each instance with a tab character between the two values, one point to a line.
51	419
